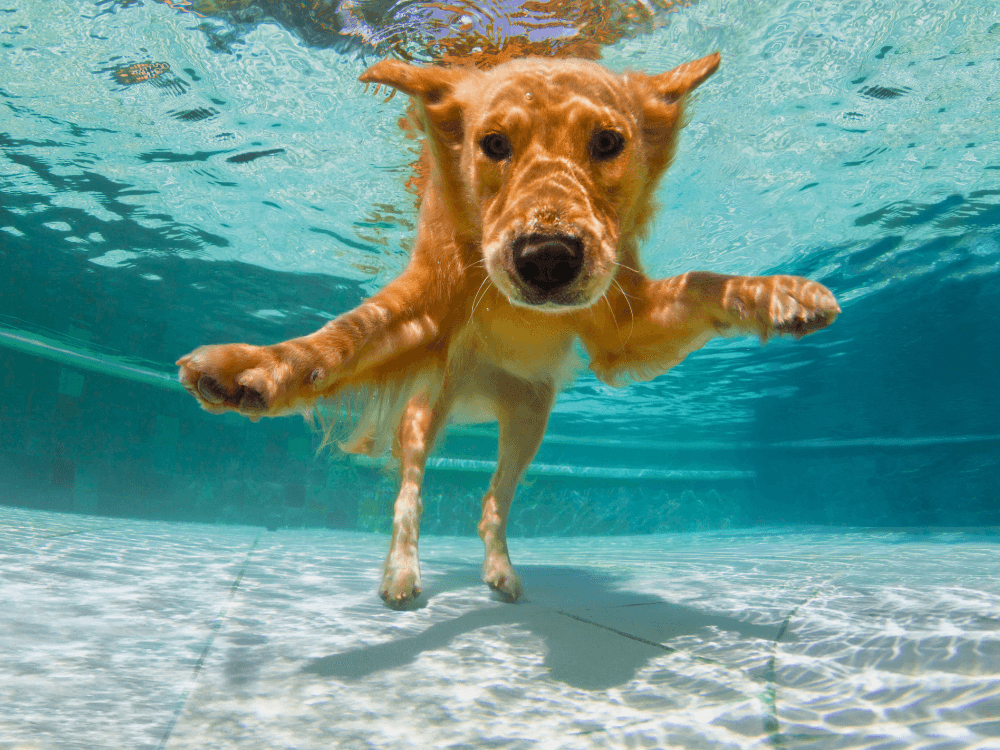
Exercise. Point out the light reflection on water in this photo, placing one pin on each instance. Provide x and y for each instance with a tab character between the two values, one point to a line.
452	31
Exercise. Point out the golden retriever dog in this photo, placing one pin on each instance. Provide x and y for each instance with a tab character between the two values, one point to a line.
543	175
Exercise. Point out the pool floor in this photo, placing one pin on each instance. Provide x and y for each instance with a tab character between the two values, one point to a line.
131	634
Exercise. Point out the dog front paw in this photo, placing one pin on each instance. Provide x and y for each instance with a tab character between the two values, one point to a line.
251	380
776	305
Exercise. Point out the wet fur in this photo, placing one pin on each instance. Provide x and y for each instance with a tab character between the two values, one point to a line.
460	334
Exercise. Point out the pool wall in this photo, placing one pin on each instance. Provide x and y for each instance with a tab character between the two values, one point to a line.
82	441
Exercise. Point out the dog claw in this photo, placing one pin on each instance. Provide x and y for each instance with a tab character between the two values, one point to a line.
400	600
510	597
321	378
508	587
400	588
802	326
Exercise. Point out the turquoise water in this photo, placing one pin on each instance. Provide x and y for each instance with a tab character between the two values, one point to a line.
791	546
175	174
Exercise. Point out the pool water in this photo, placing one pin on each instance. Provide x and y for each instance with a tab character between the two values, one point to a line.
180	173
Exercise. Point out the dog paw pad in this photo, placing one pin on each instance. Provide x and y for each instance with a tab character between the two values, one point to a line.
211	390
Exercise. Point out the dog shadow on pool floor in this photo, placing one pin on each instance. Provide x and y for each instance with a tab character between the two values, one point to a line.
596	634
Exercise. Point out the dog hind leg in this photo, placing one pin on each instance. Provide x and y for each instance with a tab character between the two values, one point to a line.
417	431
523	412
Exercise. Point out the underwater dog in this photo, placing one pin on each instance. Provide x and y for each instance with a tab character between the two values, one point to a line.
542	180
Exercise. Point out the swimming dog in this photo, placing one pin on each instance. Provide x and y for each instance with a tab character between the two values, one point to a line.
543	174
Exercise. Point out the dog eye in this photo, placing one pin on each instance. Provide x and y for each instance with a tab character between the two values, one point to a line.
606	144
496	146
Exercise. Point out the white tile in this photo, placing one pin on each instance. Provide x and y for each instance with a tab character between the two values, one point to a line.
716	640
102	623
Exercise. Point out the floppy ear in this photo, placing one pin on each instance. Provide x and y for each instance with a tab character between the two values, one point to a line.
672	85
661	99
439	114
431	87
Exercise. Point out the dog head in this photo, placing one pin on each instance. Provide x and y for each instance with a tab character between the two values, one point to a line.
549	164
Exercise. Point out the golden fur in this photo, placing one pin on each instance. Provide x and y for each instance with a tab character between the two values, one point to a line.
542	178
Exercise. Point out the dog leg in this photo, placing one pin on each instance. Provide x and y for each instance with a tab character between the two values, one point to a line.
417	430
522	418
647	327
268	381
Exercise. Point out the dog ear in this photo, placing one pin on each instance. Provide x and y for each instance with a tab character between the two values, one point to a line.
431	86
662	96
674	84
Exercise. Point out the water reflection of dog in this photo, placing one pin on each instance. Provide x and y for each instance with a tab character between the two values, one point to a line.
483	33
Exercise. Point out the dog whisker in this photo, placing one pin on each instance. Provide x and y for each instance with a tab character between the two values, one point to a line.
627	268
477	298
480	262
631	312
618	328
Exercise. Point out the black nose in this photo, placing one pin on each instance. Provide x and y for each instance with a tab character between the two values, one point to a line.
546	262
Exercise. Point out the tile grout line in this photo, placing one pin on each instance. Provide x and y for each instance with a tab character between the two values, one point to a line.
216	625
771	724
622	633
640	639
71	533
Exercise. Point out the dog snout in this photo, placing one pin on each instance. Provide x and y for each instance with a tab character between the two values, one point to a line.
547	262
